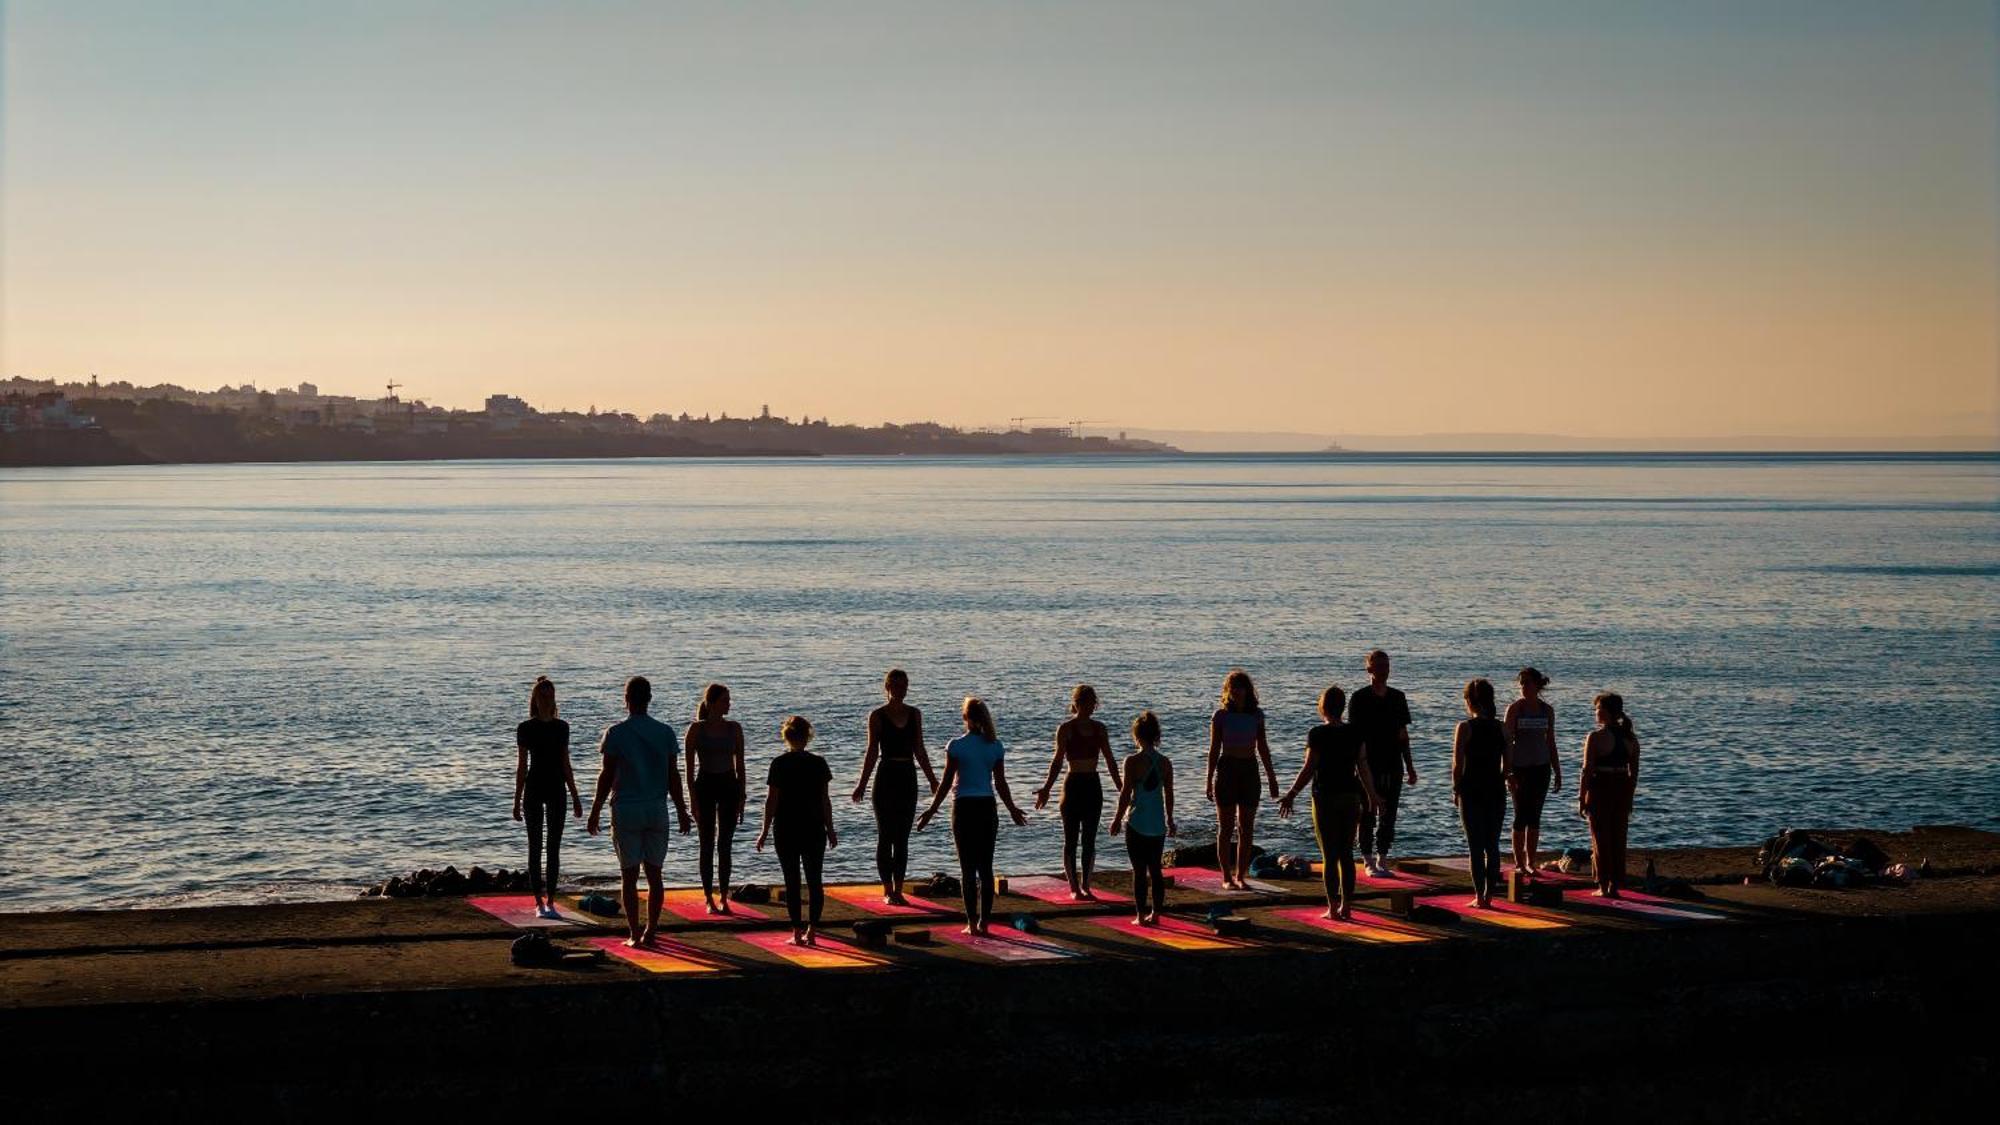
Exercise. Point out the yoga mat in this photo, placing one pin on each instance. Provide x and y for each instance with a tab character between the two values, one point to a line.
688	903
1210	882
1464	863
869	898
1365	926
1048	888
1648	906
1503	913
1008	946
828	954
519	911
1394	881
663	956
1174	933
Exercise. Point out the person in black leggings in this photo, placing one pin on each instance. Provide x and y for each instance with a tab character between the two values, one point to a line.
799	812
895	751
1479	765
976	774
714	747
1080	741
541	774
1147	798
1342	789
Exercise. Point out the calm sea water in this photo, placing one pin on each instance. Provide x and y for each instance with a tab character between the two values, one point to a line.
247	682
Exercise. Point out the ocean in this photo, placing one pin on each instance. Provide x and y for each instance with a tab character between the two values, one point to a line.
272	682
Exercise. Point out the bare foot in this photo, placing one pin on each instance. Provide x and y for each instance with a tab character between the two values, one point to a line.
1483	903
1138	919
970	930
649	937
798	937
1330	914
1089	895
897	899
1153	919
1078	896
633	942
1474	902
812	936
710	904
1345	914
725	906
1598	893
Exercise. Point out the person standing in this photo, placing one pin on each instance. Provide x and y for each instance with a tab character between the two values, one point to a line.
1382	716
716	778
1236	746
542	776
1535	769
799	812
1080	741
1147	795
975	771
1479	771
1604	788
638	778
895	751
1342	788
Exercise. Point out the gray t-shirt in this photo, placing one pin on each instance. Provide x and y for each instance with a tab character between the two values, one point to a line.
642	749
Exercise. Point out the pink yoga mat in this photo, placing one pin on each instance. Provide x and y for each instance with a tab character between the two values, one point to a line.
663	956
869	898
1464	863
1511	915
1174	933
1048	888
1210	882
519	911
1631	902
1365	926
1009	945
689	904
828	954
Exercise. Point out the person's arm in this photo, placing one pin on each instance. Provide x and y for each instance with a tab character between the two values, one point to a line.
1110	758
1000	789
1457	760
1214	751
1055	767
937	794
770	815
924	756
1555	760
1306	770
1633	768
1124	799
688	751
521	774
1367	777
1167	795
1513	732
1264	752
742	776
569	778
826	813
607	776
867	759
674	791
1583	775
1409	762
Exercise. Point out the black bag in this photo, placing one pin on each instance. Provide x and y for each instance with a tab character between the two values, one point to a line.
534	950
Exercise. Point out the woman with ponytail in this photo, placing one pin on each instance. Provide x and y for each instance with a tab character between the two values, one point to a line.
541	775
1080	741
975	772
714	748
1609	777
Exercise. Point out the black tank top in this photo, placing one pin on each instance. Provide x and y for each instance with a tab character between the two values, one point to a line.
1484	750
1618	756
899	744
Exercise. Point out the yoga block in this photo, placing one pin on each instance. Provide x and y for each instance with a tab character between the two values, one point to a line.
1528	892
1401	903
913	937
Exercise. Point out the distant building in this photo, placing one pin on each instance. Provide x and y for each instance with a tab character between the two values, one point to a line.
308	390
505	412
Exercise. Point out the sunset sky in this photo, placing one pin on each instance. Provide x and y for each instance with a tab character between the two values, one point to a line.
1596	219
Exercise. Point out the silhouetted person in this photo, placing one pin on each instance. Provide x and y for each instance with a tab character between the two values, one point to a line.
1236	746
1604	788
1342	789
1382	716
895	751
1146	809
716	781
1479	786
976	773
1535	769
638	778
799	812
542	777
1080	741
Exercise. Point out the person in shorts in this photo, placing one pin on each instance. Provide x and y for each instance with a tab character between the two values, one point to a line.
639	777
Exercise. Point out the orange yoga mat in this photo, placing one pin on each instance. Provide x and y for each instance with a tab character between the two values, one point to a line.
1209	882
1050	889
1511	915
688	903
828	954
663	956
869	898
1174	933
1366	926
1002	945
519	910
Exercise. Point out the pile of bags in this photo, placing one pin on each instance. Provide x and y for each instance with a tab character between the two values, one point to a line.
1794	859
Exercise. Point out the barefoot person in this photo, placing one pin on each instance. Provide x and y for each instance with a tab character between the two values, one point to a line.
799	812
1147	799
1536	769
715	778
638	778
1236	745
1382	716
976	773
1080	741
1604	788
542	778
1479	786
895	751
1337	766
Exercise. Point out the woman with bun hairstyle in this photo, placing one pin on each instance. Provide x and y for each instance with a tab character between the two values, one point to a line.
1343	788
799	813
1236	746
975	772
542	774
1534	769
1081	741
895	752
1146	809
1479	786
715	773
1604	789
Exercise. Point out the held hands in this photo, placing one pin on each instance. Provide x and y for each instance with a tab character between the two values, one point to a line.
924	821
1116	824
1285	807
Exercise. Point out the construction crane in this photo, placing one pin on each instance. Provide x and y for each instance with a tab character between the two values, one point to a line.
392	390
1020	418
1076	425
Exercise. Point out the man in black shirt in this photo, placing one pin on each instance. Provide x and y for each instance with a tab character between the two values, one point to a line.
1382	716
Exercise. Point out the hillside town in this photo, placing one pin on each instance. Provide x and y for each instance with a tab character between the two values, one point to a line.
49	422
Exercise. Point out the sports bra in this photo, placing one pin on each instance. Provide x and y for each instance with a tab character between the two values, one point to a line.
1239	731
1086	741
899	744
1618	757
715	749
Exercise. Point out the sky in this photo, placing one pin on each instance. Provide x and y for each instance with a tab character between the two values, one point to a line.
1634	222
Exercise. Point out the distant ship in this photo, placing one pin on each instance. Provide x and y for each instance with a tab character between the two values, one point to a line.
1335	447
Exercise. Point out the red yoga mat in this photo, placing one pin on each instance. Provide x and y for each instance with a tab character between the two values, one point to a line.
1048	888
869	898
